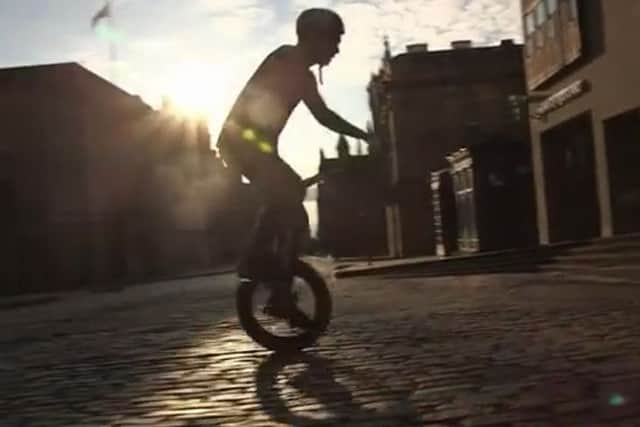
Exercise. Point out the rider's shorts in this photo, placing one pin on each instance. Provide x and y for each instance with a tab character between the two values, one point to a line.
279	186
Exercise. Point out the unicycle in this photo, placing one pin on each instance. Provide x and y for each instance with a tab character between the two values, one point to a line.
311	296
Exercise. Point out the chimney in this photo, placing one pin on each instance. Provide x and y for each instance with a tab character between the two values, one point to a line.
461	44
417	47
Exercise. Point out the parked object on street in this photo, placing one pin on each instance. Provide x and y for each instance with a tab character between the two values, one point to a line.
494	197
444	212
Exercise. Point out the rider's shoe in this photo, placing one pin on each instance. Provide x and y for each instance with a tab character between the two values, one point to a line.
279	303
285	307
299	319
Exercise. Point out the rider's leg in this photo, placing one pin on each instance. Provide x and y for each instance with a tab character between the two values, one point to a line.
292	238
259	260
287	207
279	220
285	252
296	228
284	192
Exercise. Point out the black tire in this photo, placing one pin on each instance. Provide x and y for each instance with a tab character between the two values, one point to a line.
323	307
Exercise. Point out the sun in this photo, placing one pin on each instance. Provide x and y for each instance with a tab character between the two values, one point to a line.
197	89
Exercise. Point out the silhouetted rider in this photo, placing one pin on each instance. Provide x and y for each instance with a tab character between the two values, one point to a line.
248	143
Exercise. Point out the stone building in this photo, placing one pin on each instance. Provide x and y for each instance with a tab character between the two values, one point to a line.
583	77
351	204
99	188
426	104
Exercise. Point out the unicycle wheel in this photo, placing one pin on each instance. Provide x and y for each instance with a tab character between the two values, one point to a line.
312	298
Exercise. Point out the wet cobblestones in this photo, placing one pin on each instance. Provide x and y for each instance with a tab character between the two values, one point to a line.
512	350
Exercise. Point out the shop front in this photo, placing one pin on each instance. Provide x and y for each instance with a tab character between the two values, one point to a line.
585	122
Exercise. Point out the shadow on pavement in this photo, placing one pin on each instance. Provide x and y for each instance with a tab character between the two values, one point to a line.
314	378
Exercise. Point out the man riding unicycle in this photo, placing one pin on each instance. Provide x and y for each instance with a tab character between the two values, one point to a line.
248	143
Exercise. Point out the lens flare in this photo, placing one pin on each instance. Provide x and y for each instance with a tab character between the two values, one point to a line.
108	33
616	400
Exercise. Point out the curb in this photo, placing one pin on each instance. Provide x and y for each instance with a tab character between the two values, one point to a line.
534	255
496	261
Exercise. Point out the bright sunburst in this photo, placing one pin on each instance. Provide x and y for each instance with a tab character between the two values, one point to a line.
197	89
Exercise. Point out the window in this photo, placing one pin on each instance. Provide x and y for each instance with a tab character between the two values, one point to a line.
528	47
541	14
530	24
552	7
573	10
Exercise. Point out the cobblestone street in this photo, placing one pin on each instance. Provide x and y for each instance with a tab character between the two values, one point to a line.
495	350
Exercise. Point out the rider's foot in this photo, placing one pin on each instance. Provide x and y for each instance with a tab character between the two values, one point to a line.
279	303
285	307
299	319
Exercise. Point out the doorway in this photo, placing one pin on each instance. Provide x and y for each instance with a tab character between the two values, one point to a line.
572	201
622	135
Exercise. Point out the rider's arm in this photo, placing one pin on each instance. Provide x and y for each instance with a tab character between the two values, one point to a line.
326	116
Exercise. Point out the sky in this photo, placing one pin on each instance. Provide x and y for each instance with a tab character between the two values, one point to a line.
200	53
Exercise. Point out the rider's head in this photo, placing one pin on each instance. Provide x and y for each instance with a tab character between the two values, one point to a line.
320	32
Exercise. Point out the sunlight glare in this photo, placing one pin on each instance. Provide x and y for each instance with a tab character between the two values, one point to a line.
197	89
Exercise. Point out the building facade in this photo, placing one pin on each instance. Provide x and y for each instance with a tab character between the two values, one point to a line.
99	188
426	104
351	220
583	78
